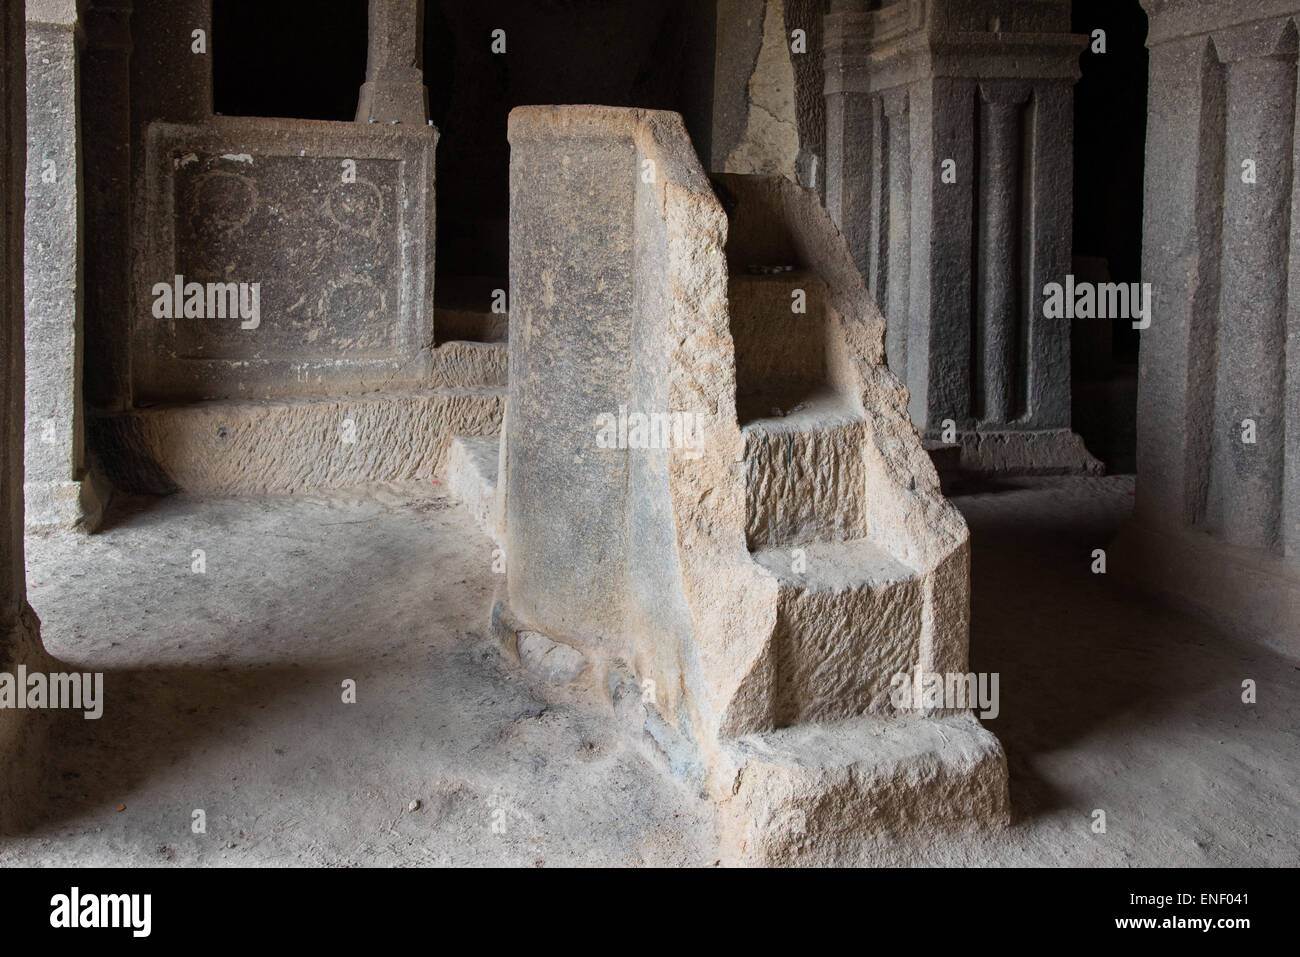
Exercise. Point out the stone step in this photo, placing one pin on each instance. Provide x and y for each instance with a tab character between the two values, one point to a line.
470	365
471	476
833	567
848	621
805	476
890	777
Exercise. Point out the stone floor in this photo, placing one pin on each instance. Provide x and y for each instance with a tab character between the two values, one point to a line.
224	694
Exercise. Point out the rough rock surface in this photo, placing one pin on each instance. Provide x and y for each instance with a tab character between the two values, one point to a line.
811	791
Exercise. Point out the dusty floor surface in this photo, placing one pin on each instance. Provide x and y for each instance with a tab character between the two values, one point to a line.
224	694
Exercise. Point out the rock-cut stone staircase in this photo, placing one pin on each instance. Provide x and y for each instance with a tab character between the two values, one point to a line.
770	583
849	607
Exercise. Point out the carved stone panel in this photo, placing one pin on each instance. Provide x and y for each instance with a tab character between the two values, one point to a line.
304	256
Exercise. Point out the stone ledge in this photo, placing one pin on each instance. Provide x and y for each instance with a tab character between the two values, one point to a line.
1178	19
243	447
1019	452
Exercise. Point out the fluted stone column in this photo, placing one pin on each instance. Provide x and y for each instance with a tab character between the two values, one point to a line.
394	87
949	170
1217	522
997	393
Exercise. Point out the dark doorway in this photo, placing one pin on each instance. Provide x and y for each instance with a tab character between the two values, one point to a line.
1110	110
655	54
286	58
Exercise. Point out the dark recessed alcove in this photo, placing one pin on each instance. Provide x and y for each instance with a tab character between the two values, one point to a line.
286	58
655	54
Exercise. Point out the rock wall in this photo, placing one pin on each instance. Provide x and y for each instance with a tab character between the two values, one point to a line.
1217	523
768	113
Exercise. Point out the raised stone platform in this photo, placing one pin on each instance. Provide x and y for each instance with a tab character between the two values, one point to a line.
1024	452
259	448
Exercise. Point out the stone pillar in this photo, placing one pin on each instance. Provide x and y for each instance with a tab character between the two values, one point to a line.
158	58
394	89
13	122
1217	521
54	461
21	732
949	165
1246	480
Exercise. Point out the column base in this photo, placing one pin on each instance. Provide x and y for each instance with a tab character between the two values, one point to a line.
1240	590
1013	452
23	733
406	103
65	504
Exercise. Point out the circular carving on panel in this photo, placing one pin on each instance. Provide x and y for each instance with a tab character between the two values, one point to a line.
224	202
354	309
356	208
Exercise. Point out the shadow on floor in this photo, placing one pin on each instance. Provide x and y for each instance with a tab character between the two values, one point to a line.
1078	652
